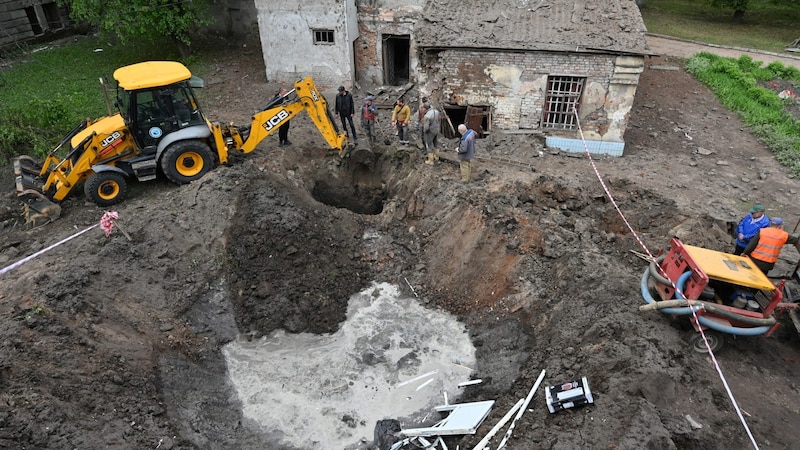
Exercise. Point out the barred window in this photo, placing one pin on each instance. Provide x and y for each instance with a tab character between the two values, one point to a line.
322	37
561	101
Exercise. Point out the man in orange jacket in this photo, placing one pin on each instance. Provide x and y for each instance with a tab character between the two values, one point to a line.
765	247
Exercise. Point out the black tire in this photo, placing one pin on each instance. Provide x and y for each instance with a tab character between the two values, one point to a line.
716	340
186	161
105	188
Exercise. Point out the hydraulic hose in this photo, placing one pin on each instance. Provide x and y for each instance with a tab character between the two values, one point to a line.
655	273
761	326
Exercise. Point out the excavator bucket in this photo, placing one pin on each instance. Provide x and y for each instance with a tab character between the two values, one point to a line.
38	208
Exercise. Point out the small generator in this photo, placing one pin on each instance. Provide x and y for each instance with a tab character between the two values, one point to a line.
568	395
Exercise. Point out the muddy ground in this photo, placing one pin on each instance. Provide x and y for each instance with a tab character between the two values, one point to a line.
115	343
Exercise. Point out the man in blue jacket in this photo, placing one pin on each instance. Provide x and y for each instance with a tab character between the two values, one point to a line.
749	226
466	151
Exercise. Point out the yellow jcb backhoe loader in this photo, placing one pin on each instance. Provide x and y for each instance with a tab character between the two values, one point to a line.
159	128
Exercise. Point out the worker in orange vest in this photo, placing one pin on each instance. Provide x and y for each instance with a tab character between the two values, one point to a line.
765	247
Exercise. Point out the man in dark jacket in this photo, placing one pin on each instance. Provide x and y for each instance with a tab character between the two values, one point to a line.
283	130
345	108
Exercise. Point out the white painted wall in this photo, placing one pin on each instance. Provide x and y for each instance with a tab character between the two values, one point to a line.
287	40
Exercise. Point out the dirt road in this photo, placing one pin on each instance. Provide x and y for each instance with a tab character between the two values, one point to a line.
669	46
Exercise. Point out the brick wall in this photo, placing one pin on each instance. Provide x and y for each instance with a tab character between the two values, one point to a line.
514	84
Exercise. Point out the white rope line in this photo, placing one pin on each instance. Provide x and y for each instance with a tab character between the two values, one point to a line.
674	286
106	223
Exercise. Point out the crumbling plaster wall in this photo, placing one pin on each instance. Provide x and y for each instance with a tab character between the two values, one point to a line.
514	85
286	29
377	20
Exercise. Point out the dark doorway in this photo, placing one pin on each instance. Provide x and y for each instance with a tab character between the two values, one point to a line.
478	118
30	11
52	16
396	59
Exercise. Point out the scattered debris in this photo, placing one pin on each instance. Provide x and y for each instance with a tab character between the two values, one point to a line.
470	382
464	418
483	442
522	410
693	423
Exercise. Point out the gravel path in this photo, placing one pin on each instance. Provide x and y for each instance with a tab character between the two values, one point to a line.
669	46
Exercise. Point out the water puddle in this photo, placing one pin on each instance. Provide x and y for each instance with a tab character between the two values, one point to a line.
391	358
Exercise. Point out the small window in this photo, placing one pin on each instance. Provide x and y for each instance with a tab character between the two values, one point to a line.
322	37
562	100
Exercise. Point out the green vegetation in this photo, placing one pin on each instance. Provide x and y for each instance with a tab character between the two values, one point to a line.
740	86
46	93
767	25
137	20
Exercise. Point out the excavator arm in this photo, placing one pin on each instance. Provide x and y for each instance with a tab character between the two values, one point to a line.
304	97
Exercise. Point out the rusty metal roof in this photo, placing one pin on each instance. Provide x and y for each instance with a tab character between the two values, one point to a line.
552	25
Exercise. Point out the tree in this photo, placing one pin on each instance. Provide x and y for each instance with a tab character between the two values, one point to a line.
739	7
130	20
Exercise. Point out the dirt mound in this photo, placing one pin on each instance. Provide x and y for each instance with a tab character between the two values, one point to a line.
111	342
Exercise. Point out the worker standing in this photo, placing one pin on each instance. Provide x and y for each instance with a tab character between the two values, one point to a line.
749	226
466	151
369	113
431	122
765	247
421	114
283	130
400	116
345	108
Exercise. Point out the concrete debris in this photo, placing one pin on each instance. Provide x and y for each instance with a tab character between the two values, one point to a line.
693	423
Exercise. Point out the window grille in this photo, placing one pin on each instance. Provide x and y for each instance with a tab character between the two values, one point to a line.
323	37
561	101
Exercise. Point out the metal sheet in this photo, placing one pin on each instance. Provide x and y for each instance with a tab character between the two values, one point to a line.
464	418
729	268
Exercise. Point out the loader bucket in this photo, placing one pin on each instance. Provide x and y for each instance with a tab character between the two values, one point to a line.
26	165
38	208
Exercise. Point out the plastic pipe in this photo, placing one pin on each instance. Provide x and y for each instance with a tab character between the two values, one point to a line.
702	320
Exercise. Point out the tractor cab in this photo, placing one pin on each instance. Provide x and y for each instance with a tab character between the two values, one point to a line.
156	99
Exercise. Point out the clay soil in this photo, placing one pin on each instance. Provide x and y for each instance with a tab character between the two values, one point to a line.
115	343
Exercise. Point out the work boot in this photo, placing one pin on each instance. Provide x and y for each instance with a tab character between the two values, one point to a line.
436	154
429	161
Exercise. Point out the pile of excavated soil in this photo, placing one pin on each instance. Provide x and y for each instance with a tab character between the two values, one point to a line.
110	342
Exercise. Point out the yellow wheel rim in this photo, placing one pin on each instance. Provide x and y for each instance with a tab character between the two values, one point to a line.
108	190
189	164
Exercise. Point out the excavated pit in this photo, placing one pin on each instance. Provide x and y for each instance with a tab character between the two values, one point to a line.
361	189
298	252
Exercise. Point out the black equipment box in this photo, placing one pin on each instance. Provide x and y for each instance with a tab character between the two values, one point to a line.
568	395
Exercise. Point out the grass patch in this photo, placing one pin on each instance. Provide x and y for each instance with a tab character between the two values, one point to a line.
738	83
766	26
49	89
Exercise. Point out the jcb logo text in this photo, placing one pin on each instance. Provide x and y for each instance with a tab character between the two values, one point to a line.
113	137
273	121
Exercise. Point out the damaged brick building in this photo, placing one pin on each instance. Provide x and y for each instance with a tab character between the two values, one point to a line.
511	65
